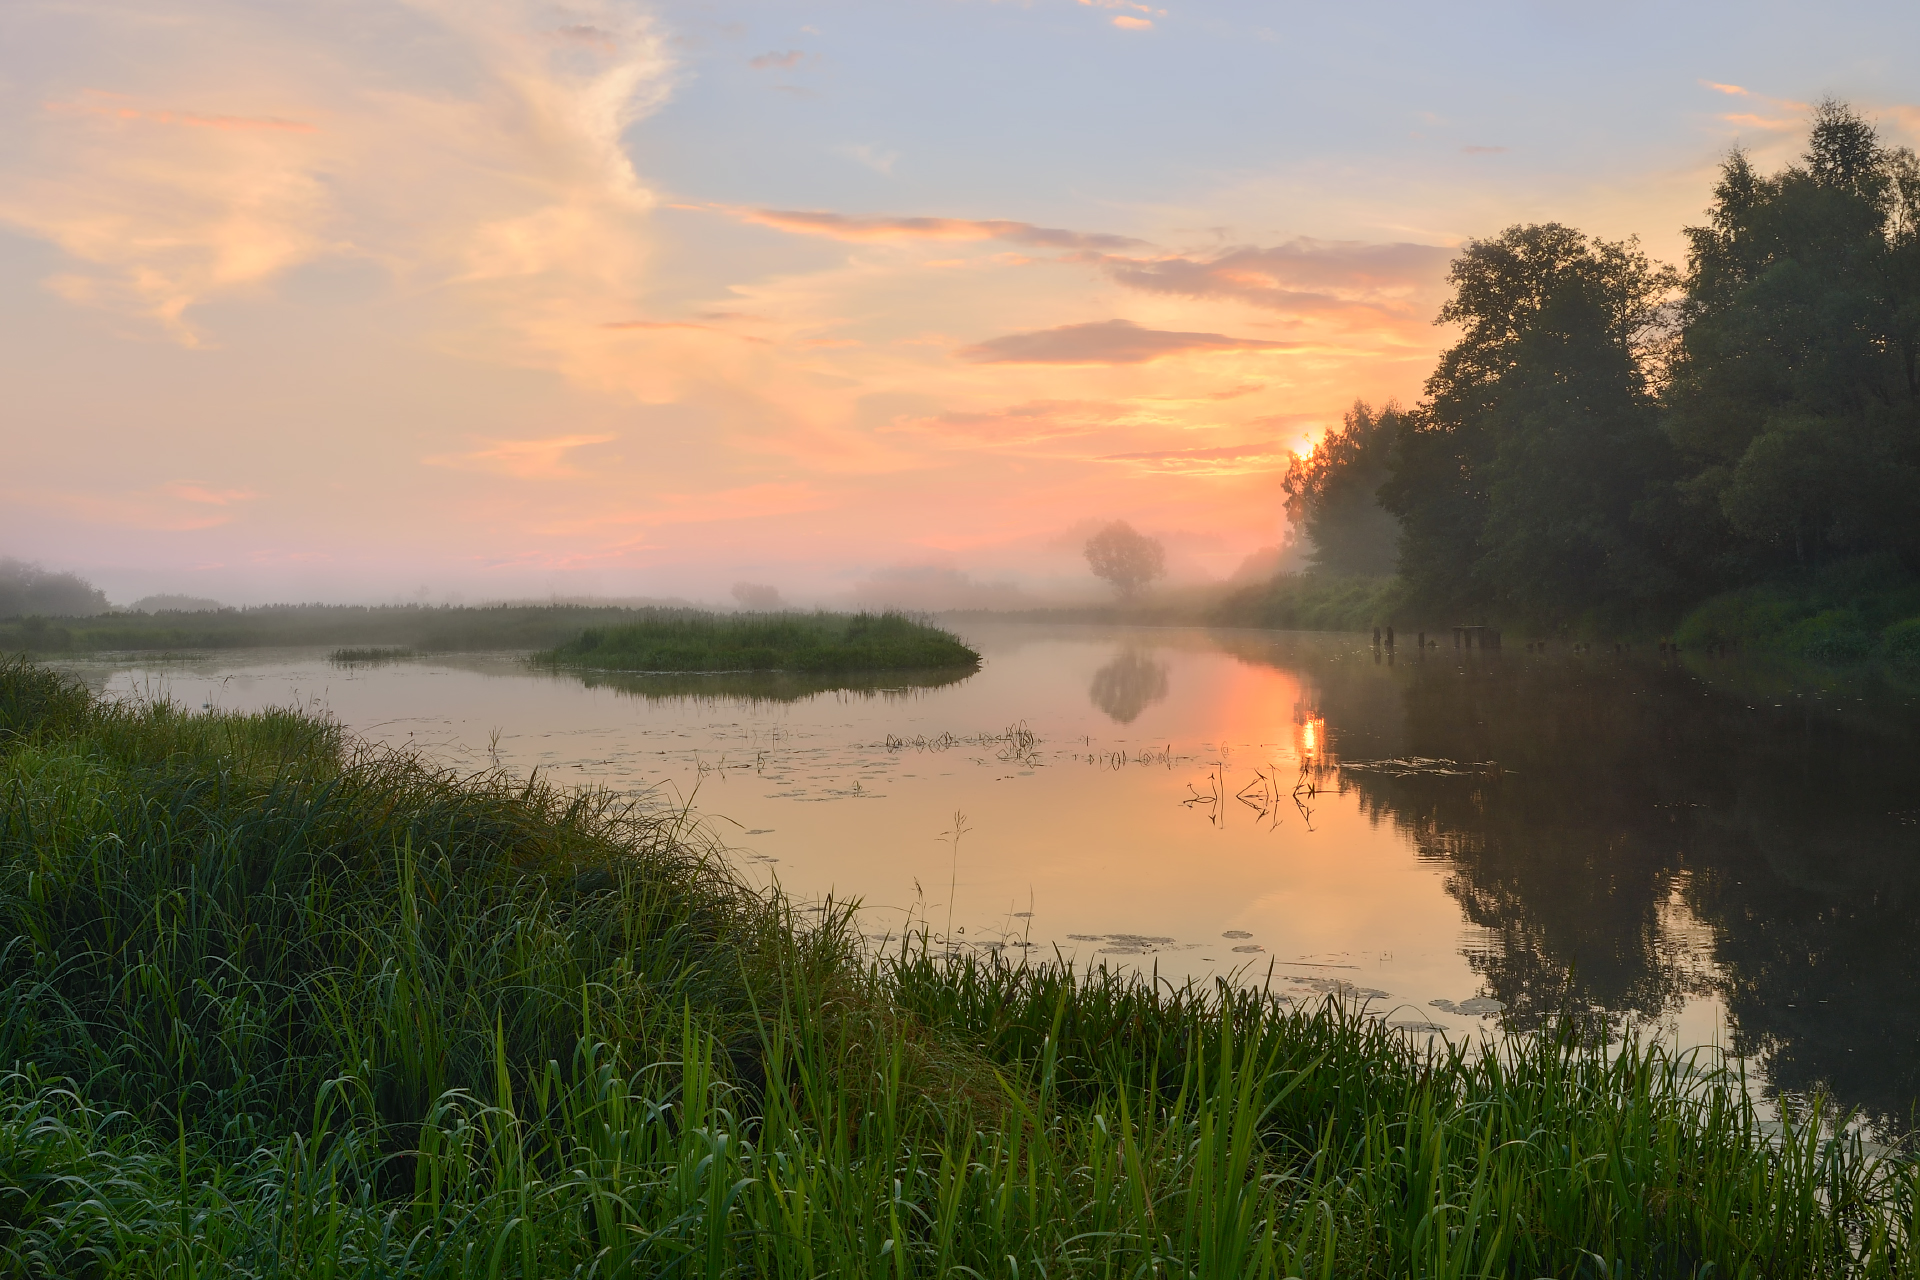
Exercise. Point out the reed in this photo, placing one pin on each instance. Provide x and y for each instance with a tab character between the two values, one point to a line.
284	1005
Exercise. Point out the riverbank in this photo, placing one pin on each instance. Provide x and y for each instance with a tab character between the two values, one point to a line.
423	628
301	1007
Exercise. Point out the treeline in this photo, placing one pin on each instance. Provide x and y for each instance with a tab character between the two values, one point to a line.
1612	441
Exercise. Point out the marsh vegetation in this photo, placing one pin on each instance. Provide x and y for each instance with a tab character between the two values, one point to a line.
809	643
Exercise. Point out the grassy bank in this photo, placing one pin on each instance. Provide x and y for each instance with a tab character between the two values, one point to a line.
283	1005
424	628
1313	602
802	642
1854	611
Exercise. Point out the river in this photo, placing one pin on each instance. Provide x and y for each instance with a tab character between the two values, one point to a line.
1711	850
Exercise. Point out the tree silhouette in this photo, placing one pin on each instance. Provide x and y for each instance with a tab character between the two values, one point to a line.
1126	558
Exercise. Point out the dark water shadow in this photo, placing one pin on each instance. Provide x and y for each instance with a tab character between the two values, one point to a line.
1133	681
1624	836
766	686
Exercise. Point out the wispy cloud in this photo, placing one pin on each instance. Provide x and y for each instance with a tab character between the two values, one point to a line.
777	61
119	106
1127	22
194	491
658	325
1104	342
161	203
841	226
1302	276
872	157
1232	459
522	459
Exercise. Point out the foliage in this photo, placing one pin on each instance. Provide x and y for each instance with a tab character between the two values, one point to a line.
1609	442
298	1008
1127	559
1332	494
30	590
1314	602
818	642
1848	611
1521	482
1795	399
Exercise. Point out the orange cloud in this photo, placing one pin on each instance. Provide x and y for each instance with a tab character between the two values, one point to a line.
1301	276
114	106
1104	342
190	491
1127	23
680	324
840	226
522	459
1740	91
779	61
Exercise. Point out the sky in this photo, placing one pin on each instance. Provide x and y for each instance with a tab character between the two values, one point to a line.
889	302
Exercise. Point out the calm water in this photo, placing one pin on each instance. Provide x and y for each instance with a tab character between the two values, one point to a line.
1702	850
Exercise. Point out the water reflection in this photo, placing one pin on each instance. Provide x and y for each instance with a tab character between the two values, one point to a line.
1624	839
765	686
1129	684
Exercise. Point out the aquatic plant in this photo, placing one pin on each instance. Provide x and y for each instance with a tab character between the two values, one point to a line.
287	1005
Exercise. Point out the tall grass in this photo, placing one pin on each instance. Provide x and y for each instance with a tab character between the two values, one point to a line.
280	1005
803	642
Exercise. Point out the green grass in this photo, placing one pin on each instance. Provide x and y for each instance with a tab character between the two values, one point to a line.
1315	602
281	1005
1850	612
802	642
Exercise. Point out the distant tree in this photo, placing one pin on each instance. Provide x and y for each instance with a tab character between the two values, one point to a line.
1795	396
758	596
1522	482
28	589
1332	494
1124	558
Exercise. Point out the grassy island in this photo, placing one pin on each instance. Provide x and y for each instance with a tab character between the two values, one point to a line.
277	1003
678	641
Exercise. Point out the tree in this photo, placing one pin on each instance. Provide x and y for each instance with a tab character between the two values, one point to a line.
1126	559
1795	397
758	596
33	589
1332	494
1523	481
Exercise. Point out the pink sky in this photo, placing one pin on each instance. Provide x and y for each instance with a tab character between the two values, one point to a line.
499	299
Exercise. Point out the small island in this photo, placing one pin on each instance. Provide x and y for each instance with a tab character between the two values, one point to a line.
685	641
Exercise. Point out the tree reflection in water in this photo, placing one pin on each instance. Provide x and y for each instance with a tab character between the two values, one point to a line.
1634	837
1128	685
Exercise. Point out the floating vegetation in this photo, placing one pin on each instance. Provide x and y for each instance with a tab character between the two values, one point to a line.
368	657
1411	766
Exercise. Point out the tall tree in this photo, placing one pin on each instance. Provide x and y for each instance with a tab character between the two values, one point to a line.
1523	481
1333	494
1125	558
1795	394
